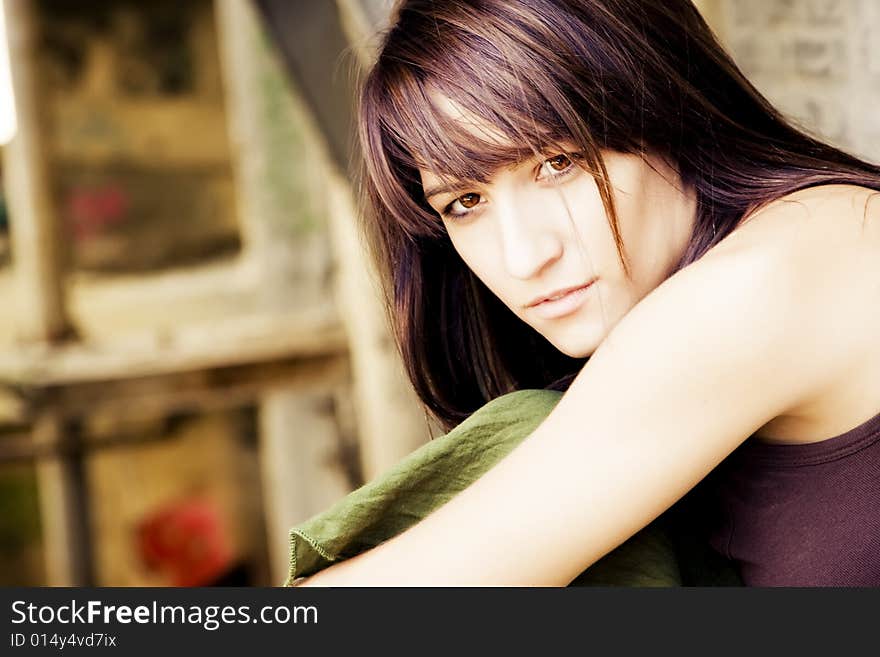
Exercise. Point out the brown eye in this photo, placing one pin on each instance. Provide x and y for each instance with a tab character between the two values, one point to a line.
469	200
559	162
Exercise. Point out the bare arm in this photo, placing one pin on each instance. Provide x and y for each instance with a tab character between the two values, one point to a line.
706	359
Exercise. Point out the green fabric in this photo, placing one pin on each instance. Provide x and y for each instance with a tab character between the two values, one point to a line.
434	473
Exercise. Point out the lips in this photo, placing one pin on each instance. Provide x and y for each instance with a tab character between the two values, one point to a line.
558	294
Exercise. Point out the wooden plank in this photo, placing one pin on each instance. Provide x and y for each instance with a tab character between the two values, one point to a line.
42	317
232	342
200	392
299	437
127	404
279	188
64	508
13	409
391	422
34	230
300	463
237	63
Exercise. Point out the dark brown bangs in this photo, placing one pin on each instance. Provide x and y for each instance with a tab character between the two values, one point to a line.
521	106
415	133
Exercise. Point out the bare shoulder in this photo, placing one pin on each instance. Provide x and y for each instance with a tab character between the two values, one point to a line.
827	239
781	316
821	218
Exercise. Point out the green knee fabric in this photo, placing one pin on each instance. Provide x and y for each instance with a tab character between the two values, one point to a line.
434	473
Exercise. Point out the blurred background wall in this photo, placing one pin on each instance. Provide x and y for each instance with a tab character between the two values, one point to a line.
193	356
817	60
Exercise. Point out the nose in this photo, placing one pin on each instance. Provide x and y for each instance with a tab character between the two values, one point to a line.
528	238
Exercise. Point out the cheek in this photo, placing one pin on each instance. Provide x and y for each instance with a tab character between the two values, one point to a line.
479	255
582	219
651	253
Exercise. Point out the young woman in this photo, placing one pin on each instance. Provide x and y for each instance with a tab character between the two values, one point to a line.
588	195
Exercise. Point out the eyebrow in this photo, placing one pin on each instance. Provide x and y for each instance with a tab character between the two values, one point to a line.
436	190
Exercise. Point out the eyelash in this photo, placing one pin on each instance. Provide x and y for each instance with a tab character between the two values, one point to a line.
447	212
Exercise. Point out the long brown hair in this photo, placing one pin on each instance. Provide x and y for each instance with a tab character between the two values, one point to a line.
634	76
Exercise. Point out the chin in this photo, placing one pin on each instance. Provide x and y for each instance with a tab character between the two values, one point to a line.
577	342
575	350
578	353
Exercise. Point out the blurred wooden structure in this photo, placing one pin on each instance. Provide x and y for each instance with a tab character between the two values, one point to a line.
285	352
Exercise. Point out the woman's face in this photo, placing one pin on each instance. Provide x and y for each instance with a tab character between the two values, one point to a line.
538	237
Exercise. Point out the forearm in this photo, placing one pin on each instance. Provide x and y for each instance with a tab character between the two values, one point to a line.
457	545
530	538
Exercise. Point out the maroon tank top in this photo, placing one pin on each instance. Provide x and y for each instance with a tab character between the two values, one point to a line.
801	515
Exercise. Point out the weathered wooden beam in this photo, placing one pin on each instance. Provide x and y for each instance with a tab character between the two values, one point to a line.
249	339
300	456
299	437
64	507
200	392
391	421
123	405
42	316
34	230
313	42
